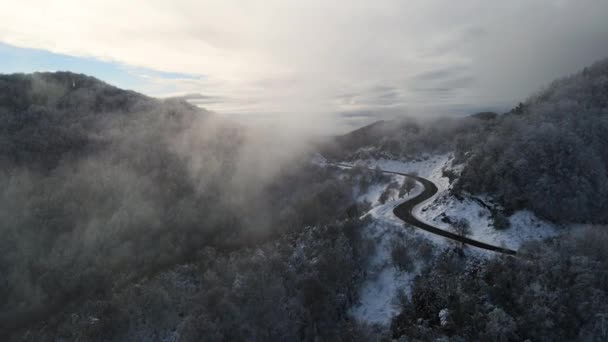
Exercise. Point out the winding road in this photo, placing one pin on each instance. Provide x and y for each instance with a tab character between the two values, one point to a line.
404	211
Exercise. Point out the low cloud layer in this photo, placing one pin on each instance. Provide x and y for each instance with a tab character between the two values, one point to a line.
317	57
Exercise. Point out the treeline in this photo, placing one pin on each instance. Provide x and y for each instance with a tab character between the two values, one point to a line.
549	154
47	116
296	288
557	291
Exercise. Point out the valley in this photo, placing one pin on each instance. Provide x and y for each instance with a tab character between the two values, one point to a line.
131	218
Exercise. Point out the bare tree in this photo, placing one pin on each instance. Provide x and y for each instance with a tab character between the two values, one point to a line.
409	183
462	228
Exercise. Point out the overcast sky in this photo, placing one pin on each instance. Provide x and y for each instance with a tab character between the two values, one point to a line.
309	56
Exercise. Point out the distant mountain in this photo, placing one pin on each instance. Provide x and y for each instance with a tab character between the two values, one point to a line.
64	90
406	138
44	116
192	96
485	115
199	99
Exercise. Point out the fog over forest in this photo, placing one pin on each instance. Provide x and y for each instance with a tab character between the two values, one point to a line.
98	180
304	171
106	192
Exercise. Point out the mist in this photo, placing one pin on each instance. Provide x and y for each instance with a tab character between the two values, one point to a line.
97	181
294	170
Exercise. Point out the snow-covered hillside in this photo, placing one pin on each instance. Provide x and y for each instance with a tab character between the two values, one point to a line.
384	281
379	292
445	207
524	225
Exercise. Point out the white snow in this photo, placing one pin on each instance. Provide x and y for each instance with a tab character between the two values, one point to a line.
318	159
377	296
373	194
525	226
379	291
384	279
429	168
444	317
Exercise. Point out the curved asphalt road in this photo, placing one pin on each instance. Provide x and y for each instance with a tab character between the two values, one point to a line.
404	211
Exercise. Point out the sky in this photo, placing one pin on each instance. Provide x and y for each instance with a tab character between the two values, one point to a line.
312	58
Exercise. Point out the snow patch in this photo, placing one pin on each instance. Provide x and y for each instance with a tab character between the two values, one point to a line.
525	226
430	167
318	159
379	291
384	281
372	195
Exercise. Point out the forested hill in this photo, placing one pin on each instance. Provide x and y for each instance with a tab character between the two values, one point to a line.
104	190
97	182
64	91
548	154
48	116
588	89
405	138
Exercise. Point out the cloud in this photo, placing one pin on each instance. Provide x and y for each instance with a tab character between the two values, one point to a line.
441	74
316	57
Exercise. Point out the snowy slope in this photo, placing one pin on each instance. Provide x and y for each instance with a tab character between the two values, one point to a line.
429	167
385	280
525	226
